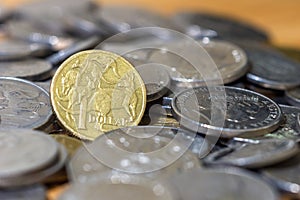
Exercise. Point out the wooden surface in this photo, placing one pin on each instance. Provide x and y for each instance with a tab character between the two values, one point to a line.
280	18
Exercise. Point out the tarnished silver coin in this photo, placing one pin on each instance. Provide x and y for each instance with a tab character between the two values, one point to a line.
15	50
28	151
226	28
117	187
30	69
286	175
156	79
270	68
289	129
34	192
255	155
23	104
225	183
137	150
292	96
38	176
248	113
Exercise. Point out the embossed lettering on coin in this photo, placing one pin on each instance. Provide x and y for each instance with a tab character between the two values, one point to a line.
96	91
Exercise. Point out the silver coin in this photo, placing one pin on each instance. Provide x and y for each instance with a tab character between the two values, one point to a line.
30	69
82	45
23	104
40	175
248	114
292	96
141	143
226	183
289	129
124	18
249	155
156	79
286	175
45	85
27	31
230	59
118	187
15	50
226	28
35	192
270	68
28	151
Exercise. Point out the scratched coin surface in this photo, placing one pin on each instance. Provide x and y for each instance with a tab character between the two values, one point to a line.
23	104
247	114
28	151
96	91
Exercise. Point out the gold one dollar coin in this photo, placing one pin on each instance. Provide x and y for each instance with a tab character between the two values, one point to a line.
96	91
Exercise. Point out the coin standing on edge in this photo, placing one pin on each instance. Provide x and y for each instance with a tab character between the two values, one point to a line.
96	91
248	113
23	104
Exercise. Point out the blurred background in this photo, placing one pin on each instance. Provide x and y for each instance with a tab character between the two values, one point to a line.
279	18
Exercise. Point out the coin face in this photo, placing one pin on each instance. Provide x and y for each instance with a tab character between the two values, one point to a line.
147	148
292	96
247	114
289	129
255	155
96	91
270	68
28	159
156	79
30	69
114	188
35	192
225	183
23	104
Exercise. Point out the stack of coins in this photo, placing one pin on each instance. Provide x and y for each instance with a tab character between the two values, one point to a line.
121	102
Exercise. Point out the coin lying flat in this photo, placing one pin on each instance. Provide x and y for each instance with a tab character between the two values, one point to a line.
286	175
45	85
137	150
39	175
29	151
251	155
292	96
95	91
226	183
248	114
16	50
35	192
156	79
23	104
30	69
117	187
270	68
226	28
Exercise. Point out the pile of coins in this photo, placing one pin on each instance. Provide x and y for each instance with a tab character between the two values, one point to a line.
123	103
